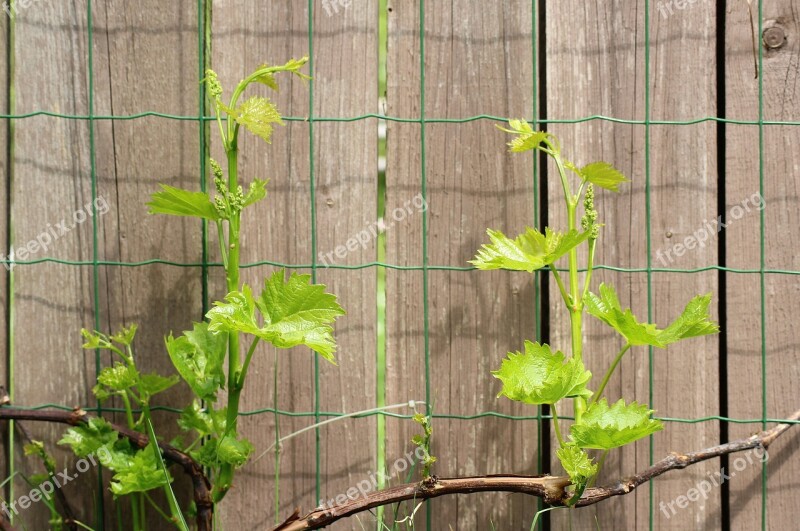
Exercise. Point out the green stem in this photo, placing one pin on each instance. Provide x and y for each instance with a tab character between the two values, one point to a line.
247	358
225	478
555	423
128	410
560	283
277	444
174	507
589	267
609	372
576	306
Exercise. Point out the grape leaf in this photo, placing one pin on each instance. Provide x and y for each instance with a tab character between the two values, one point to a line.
541	377
526	138
177	202
85	439
693	321
602	427
258	115
142	474
198	355
228	450
529	251
257	192
152	384
204	421
607	308
604	175
579	466
119	377
294	311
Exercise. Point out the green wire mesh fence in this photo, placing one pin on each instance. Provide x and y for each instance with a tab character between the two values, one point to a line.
539	120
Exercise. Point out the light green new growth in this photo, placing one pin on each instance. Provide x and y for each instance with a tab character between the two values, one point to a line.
288	312
539	376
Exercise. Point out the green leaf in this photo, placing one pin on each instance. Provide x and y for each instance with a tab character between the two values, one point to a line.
86	439
119	377
257	192
95	340
236	314
297	312
529	251
607	308
141	475
229	451
152	384
205	421
603	427
258	115
580	468
125	336
604	175
541	377
177	202
693	322
198	355
526	139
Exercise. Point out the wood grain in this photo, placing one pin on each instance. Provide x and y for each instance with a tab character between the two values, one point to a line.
345	176
743	248
5	218
51	168
472	183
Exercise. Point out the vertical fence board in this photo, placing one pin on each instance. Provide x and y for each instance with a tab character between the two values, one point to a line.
580	71
345	157
142	63
472	183
52	182
683	197
580	68
779	203
5	218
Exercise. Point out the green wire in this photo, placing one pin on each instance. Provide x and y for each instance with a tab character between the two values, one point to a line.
762	257
648	239
366	116
312	185
100	501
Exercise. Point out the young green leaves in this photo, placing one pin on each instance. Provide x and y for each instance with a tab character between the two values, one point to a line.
529	251
694	321
603	427
539	376
199	355
294	312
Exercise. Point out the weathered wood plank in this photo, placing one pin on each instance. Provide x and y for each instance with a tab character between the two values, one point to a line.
51	167
472	184
602	72
779	203
142	63
345	159
5	213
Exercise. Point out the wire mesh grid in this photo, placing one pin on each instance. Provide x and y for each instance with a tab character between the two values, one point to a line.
202	118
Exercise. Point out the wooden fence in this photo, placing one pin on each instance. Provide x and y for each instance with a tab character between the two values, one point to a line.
659	76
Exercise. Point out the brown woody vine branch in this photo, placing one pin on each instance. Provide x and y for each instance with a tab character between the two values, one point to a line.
200	483
550	488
